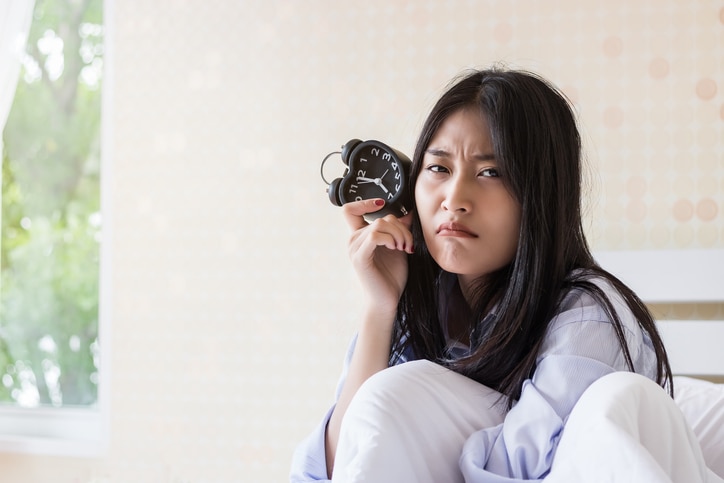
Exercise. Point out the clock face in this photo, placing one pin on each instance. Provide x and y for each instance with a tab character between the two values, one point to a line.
373	173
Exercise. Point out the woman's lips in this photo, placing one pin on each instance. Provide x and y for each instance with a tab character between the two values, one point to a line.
455	229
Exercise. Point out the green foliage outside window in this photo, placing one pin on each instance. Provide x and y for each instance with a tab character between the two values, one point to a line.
51	218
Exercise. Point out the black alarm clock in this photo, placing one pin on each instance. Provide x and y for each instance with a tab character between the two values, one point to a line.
374	170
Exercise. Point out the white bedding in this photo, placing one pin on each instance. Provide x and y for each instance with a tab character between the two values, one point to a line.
641	438
624	428
703	406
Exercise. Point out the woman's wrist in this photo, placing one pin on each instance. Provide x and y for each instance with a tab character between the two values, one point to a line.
379	318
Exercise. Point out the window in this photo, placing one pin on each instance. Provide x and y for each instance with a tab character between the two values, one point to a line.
50	259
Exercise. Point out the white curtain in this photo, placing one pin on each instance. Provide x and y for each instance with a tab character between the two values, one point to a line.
15	18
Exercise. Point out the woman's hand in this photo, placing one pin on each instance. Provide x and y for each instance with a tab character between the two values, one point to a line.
378	251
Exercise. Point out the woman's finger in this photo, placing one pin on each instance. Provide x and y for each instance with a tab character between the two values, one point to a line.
389	231
354	211
397	229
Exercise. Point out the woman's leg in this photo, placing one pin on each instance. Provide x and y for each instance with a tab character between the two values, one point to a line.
626	428
408	423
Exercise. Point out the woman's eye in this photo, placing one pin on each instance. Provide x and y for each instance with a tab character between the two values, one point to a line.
436	168
489	173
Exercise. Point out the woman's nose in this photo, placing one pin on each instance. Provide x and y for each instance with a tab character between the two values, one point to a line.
457	196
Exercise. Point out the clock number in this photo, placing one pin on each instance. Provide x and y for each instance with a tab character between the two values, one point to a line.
397	187
387	157
361	173
353	188
376	151
403	210
358	198
389	196
364	160
397	175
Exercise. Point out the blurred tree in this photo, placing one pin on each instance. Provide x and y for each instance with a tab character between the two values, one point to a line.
51	221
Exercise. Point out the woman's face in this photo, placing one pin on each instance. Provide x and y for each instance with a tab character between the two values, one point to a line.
470	221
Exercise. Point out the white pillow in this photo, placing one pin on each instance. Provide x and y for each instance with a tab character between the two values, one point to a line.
702	403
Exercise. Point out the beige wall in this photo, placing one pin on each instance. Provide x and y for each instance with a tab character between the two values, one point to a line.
232	298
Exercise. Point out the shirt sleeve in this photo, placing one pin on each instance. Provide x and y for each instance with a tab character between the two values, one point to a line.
309	462
581	346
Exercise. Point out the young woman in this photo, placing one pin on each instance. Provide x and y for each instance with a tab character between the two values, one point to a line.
489	286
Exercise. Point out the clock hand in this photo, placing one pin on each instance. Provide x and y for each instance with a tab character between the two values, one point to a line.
377	181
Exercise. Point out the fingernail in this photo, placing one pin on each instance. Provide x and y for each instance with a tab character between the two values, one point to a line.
379	202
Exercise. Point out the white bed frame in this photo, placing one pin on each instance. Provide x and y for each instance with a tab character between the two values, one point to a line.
695	347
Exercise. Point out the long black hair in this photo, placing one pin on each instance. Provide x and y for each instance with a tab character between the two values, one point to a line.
537	147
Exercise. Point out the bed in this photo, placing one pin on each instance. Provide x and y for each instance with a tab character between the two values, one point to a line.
679	277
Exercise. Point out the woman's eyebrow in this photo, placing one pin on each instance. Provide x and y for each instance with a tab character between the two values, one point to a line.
442	153
437	152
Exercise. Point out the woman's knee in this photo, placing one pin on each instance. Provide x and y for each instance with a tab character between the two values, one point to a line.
626	388
397	390
634	404
421	391
414	419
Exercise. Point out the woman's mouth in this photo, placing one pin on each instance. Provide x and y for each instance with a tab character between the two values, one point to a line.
455	229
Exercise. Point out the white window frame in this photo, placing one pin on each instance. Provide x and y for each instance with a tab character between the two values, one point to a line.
80	432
